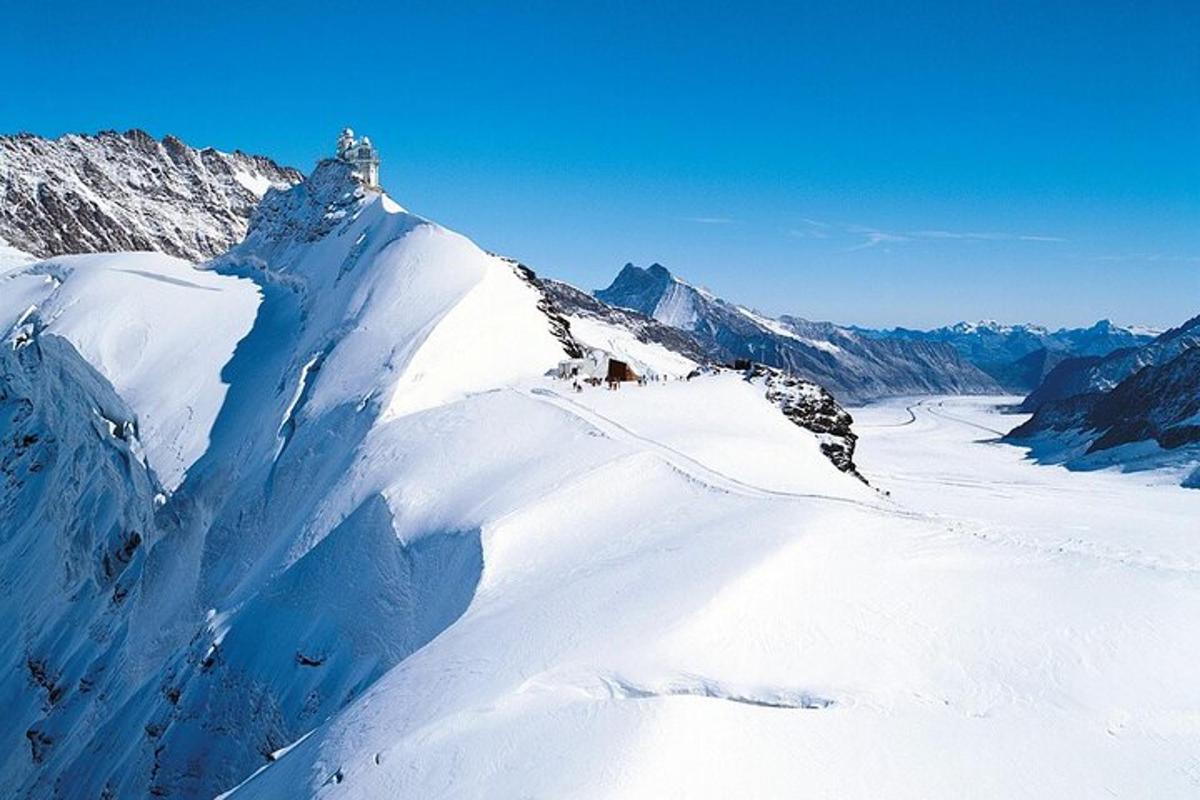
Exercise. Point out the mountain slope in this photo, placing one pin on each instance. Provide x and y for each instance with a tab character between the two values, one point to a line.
237	497
1019	356
1148	419
128	191
853	367
179	482
398	560
1100	374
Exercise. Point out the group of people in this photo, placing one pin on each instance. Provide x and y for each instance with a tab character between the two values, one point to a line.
612	384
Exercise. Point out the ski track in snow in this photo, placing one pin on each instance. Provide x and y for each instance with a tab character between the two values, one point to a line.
690	466
912	417
940	413
998	534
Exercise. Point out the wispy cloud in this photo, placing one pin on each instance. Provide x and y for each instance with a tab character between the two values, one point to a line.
710	220
1028	237
810	229
874	237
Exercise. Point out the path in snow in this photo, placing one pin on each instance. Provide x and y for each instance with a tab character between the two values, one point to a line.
687	464
938	464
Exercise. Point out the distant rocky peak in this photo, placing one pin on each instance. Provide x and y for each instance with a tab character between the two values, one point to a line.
658	271
637	288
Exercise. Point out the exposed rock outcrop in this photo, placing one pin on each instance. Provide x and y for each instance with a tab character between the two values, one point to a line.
128	191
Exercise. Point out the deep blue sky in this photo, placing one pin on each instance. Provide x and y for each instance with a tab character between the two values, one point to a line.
874	163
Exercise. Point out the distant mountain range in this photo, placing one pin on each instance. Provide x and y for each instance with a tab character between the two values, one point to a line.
1102	373
1018	357
856	368
1136	407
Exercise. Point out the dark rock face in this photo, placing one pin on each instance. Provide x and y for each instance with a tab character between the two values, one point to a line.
128	191
855	368
552	307
810	406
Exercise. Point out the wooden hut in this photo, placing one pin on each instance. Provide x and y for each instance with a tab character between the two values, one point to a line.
619	371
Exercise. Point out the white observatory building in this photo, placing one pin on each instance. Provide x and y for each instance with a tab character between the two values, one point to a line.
361	155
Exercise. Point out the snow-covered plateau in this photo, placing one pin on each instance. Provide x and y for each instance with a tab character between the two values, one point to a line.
312	520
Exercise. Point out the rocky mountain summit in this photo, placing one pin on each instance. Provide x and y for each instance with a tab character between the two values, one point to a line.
128	191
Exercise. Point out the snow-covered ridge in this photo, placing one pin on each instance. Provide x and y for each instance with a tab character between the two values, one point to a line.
381	286
348	410
158	330
128	191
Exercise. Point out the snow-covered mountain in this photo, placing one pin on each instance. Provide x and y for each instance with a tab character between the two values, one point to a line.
1138	408
1151	419
854	367
1020	356
1086	375
236	497
311	520
128	191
